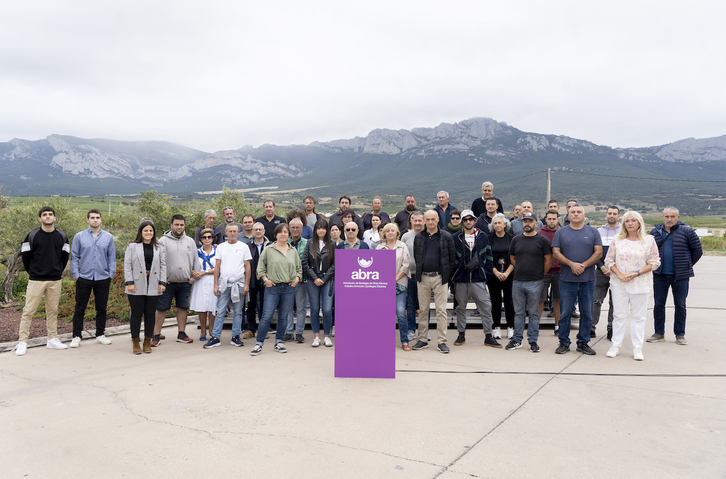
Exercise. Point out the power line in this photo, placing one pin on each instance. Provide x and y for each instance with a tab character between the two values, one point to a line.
636	177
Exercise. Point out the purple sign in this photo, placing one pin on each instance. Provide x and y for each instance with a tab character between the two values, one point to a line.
365	313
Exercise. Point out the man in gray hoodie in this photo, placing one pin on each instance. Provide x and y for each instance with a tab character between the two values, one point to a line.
181	252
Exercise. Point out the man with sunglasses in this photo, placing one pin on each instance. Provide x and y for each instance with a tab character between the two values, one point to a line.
351	236
473	263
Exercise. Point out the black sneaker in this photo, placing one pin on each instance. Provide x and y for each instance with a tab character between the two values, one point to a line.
557	330
287	337
513	345
443	348
534	347
460	340
183	338
420	345
491	342
212	343
586	349
562	349
299	338
236	341
610	333
592	334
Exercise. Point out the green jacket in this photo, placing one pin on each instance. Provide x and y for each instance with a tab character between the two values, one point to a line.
277	267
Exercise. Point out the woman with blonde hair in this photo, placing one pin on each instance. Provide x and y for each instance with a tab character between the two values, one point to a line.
631	258
389	240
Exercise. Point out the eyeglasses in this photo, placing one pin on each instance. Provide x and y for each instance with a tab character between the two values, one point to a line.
207	237
351	229
295	227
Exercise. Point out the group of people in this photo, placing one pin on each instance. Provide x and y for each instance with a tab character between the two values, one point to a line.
271	263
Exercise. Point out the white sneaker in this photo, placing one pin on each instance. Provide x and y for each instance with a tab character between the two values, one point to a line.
327	342
510	333
21	349
638	354
75	342
103	340
55	343
316	342
332	332
497	333
411	335
612	352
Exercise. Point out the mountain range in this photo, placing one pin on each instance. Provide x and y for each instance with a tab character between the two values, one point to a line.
456	157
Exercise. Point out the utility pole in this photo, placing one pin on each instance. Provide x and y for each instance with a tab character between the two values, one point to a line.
549	183
109	205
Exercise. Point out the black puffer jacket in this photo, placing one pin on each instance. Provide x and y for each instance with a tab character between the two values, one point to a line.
447	254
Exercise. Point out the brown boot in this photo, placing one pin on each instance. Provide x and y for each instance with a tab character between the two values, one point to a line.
147	345
137	346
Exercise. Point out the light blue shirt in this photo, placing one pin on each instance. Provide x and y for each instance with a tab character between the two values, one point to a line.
93	258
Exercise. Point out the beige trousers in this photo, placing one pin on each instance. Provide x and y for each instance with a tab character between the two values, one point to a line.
441	294
35	292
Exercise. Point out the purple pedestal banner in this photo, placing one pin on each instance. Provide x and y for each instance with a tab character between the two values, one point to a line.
365	313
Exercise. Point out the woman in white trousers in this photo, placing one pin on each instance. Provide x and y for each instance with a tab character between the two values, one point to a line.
632	257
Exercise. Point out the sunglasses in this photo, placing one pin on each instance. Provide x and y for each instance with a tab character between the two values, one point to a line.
351	229
206	237
469	219
455	218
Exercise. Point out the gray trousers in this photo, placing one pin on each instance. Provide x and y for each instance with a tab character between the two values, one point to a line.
602	284
479	294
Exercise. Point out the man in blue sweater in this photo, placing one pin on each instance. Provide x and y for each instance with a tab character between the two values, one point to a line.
680	249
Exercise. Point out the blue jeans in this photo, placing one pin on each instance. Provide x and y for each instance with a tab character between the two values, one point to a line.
281	294
525	296
570	293
661	283
412	303
224	299
319	297
401	299
301	302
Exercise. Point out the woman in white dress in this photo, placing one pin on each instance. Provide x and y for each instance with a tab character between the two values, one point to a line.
203	300
632	257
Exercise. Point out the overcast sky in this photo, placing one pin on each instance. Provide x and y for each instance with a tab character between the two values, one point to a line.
220	75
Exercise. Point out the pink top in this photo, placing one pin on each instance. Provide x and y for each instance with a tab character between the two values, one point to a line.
630	257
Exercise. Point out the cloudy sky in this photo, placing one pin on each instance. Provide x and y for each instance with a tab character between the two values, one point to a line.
219	75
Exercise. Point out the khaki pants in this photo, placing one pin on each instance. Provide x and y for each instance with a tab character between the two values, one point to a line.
36	290
441	294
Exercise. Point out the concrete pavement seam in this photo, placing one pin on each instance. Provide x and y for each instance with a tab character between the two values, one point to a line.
446	468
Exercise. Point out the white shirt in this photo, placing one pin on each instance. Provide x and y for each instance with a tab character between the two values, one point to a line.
233	257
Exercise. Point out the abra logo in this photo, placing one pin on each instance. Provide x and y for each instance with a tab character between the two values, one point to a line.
360	274
365	263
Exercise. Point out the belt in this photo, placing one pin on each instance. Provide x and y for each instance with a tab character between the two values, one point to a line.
430	273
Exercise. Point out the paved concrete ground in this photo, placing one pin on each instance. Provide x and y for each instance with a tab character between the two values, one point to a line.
99	411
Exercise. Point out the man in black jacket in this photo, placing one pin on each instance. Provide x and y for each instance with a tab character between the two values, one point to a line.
435	256
45	253
679	248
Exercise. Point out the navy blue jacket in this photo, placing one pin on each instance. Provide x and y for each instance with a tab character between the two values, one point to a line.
464	254
686	248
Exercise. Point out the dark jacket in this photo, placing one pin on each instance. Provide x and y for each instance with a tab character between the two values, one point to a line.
335	220
444	215
464	255
310	265
447	254
686	248
254	282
